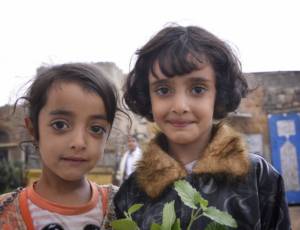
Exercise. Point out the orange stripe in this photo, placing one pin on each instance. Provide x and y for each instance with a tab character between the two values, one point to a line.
7	227
24	209
61	209
103	191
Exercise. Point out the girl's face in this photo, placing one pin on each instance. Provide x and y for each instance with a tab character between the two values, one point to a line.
183	106
73	131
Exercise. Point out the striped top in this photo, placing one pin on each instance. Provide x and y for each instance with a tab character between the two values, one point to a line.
49	215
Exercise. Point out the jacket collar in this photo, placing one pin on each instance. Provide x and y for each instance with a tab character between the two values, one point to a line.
225	154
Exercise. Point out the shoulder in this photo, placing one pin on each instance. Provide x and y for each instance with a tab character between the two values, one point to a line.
110	189
129	190
130	183
10	213
7	199
265	173
129	193
259	164
271	193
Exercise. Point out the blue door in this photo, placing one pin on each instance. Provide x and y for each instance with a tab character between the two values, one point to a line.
285	145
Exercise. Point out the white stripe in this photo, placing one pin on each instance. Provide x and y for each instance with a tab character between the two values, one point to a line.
42	217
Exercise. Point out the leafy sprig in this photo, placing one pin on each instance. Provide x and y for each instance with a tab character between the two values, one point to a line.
191	198
127	222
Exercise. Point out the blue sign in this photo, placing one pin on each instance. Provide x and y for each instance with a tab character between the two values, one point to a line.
285	144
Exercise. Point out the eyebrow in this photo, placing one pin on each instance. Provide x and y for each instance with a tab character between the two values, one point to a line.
199	79
71	114
192	79
61	112
160	82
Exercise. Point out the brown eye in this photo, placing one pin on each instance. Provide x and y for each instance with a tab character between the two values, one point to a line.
198	90
96	129
59	125
161	91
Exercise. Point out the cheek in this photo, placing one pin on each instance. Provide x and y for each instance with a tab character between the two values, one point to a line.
157	113
100	145
159	107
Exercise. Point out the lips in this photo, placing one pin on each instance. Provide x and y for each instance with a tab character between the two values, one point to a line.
179	123
74	159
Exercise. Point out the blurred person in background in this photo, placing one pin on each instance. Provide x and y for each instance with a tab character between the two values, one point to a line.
129	159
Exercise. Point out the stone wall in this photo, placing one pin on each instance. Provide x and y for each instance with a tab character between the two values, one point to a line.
272	93
11	123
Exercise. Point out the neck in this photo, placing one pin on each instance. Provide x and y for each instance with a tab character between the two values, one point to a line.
64	192
186	153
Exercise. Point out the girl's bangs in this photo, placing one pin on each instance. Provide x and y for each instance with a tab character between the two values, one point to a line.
177	60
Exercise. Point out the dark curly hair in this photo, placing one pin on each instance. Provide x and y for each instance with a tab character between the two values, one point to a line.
172	48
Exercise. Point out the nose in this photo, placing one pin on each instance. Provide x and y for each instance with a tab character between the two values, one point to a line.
78	140
180	104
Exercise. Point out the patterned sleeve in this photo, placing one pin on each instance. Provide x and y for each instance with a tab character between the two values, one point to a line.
10	213
110	215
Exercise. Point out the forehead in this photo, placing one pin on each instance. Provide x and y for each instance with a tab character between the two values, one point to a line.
73	97
173	64
204	73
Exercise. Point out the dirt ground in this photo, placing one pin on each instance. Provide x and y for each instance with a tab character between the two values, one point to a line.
295	217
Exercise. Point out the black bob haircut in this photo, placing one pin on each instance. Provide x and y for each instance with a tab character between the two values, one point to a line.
178	50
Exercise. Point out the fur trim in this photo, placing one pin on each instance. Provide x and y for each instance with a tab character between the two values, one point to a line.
226	154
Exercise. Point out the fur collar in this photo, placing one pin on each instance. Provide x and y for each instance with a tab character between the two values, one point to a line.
226	154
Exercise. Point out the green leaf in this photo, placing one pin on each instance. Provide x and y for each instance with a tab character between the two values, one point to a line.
155	226
176	225
201	201
187	193
134	208
169	216
127	215
220	217
122	224
215	226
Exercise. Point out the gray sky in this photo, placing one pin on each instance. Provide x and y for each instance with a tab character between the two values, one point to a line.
265	33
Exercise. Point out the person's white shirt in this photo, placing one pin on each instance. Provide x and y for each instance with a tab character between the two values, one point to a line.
128	164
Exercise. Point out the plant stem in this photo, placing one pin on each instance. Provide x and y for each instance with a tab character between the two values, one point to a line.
191	221
195	216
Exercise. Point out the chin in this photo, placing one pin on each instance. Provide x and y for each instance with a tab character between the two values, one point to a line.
182	140
72	178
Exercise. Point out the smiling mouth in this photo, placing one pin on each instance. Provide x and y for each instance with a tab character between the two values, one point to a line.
75	160
180	124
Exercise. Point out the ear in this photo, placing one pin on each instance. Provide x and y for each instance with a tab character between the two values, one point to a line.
29	125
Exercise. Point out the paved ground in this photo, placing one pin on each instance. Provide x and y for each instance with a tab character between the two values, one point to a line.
295	217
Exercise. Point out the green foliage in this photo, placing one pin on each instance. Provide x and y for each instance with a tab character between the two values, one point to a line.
189	195
169	221
169	216
127	223
11	175
155	226
176	225
220	217
191	198
215	226
134	208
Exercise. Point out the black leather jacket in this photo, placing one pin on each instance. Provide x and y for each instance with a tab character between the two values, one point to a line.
256	202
